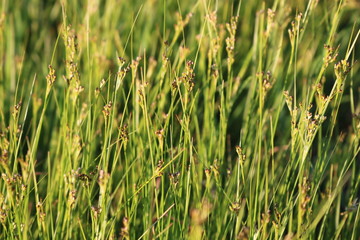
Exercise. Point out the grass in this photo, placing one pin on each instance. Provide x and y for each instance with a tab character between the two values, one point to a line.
183	119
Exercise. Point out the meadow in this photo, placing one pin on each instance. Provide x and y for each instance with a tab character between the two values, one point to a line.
164	119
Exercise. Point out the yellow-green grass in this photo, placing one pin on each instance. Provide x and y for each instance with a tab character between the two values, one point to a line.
186	119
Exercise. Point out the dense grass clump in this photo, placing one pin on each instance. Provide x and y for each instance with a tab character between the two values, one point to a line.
186	119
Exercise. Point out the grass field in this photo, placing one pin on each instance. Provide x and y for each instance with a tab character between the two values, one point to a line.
166	119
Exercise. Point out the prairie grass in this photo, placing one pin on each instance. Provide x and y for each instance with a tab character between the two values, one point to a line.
183	119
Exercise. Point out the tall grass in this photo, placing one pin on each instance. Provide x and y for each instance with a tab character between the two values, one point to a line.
184	119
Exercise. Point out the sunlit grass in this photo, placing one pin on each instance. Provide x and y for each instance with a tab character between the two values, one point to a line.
179	119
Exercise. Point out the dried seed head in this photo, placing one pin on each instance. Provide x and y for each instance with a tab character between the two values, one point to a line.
295	29
16	109
3	215
135	63
97	92
40	211
342	68
79	89
125	229
212	18
72	198
102	83
159	134
235	207
107	109
159	170
174	83
331	54
174	178
241	155
208	172
51	77
124	135
96	211
288	100
181	23
188	76
121	61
